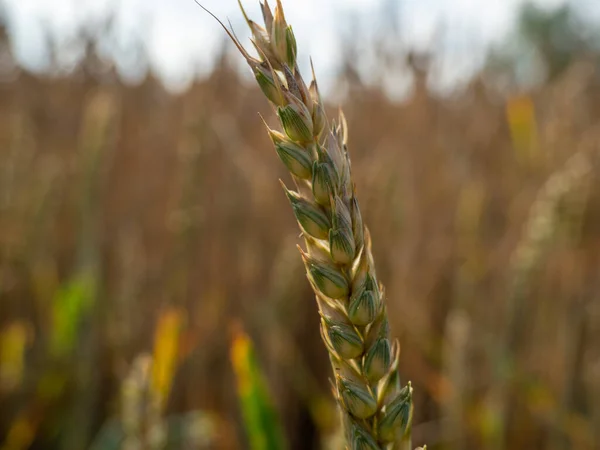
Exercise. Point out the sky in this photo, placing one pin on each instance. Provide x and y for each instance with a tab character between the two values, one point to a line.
181	39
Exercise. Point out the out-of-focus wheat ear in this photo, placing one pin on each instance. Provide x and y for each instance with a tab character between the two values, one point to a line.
540	227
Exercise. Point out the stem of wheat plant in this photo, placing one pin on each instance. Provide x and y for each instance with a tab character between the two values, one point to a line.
376	410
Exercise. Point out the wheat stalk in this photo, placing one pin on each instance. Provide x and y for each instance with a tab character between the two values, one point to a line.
376	411
539	229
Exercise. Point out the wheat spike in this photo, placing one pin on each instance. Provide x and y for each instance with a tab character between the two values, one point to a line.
376	411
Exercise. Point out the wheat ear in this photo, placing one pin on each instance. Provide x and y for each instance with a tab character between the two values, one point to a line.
354	323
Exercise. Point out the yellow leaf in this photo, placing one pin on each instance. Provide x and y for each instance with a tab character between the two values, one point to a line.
166	350
13	343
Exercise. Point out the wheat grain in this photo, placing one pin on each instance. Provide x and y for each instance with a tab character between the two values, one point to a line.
376	411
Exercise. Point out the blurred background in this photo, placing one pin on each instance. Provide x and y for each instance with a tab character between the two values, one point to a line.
148	269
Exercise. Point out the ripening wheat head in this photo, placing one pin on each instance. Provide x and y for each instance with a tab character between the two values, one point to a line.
376	410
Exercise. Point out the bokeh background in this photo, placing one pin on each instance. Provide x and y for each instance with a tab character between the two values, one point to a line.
142	227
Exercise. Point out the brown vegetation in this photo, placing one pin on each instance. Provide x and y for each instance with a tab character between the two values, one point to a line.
151	202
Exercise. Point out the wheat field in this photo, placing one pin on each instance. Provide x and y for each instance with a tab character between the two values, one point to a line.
140	230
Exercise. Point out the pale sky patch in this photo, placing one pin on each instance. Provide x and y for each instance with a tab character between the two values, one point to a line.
181	39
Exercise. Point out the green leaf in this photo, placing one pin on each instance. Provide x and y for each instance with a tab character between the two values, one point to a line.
260	418
70	304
